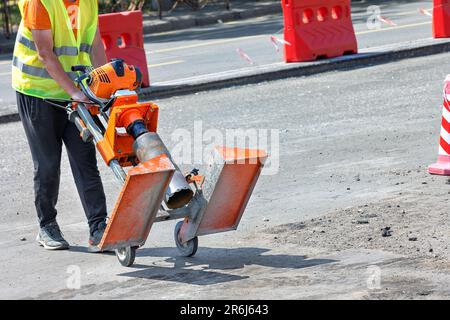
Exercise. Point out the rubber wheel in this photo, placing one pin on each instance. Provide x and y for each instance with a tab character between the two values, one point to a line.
126	256
187	249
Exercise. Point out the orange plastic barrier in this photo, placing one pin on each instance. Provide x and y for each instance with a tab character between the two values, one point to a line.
122	36
441	18
317	29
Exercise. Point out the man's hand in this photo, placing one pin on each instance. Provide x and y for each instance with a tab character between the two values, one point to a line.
79	96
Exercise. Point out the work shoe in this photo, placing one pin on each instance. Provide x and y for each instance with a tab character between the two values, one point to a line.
51	238
96	237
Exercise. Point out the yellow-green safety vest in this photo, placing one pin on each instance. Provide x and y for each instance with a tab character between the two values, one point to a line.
29	75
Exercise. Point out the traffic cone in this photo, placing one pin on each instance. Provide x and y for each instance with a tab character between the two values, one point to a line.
442	166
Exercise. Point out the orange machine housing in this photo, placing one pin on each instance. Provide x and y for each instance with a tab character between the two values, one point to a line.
117	143
104	81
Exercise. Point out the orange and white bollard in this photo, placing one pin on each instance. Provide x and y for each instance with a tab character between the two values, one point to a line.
442	166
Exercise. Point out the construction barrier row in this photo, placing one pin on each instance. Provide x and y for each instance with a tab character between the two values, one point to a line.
122	35
315	29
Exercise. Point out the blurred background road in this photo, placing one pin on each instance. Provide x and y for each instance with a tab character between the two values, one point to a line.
182	54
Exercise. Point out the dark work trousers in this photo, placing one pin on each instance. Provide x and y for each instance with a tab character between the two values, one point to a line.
46	128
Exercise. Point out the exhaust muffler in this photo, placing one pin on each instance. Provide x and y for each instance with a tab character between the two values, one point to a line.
148	146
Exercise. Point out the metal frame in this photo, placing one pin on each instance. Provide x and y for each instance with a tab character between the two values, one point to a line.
198	213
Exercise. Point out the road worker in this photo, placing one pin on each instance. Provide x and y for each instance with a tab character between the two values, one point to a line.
53	36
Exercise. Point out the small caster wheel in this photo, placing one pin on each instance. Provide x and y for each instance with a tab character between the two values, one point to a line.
187	249
126	256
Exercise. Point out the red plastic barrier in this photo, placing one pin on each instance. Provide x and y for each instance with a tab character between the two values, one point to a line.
123	38
441	18
317	29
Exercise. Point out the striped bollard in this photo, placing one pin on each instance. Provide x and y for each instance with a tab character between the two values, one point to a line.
442	166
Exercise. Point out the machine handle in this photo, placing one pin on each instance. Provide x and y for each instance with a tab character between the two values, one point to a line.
80	68
85	134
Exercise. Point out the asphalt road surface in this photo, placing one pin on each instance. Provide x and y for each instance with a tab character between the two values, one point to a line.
348	141
201	51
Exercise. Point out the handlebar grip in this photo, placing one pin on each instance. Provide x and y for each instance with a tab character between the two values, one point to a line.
80	68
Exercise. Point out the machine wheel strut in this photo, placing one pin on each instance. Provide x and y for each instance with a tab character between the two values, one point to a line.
187	249
126	256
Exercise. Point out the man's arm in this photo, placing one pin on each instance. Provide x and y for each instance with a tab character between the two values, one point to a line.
98	55
44	45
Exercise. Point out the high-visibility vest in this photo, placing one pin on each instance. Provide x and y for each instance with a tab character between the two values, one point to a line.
29	75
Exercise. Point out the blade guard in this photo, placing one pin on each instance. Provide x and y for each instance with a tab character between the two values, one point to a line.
229	183
138	204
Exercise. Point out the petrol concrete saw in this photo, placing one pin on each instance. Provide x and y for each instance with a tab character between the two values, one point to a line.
154	189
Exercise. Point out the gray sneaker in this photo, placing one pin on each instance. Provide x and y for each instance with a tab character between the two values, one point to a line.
51	238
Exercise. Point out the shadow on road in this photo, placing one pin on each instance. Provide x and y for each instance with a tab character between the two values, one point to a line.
202	269
83	249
